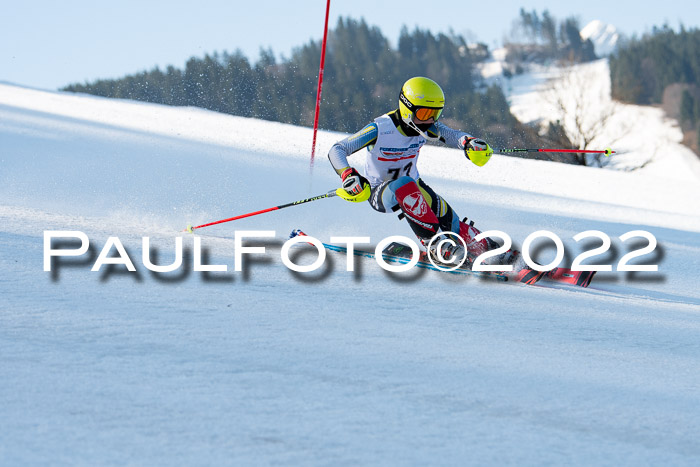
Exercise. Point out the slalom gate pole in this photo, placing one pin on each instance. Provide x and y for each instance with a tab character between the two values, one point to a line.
607	151
330	194
320	85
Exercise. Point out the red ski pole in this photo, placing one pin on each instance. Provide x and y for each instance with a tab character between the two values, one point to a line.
607	151
330	194
320	84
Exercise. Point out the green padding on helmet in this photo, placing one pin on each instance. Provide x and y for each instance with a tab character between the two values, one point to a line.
480	158
358	198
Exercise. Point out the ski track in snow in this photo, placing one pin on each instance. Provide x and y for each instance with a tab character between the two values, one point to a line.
266	366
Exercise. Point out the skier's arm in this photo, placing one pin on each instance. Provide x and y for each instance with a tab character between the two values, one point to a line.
449	136
338	154
476	150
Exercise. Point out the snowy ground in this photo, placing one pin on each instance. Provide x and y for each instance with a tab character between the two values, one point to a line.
579	98
265	366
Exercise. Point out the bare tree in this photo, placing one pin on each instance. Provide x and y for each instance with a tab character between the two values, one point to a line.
583	108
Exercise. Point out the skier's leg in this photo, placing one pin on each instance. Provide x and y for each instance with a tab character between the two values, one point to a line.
404	194
382	199
421	208
449	222
448	218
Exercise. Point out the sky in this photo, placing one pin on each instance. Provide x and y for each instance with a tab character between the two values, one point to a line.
51	44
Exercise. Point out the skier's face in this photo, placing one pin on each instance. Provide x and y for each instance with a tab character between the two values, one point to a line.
423	125
424	117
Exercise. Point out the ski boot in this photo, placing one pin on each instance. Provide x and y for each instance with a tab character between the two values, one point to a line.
444	250
476	248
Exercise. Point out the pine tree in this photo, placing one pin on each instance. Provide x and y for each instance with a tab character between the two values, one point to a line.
688	108
363	76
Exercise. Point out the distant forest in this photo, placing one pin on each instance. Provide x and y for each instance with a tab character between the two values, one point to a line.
662	68
362	78
539	37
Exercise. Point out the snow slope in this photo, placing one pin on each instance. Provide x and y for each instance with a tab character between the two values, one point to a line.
579	98
268	366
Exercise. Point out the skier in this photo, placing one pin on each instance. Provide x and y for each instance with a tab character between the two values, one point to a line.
391	181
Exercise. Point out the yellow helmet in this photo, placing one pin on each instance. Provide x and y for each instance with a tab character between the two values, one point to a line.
421	97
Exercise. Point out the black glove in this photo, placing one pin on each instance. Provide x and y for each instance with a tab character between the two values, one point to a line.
353	182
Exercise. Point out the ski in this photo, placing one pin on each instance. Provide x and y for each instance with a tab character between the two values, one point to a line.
524	275
401	254
567	276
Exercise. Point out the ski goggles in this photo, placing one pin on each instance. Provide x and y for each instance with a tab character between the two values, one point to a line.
426	113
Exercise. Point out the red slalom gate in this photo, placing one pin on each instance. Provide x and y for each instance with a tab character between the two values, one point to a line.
320	84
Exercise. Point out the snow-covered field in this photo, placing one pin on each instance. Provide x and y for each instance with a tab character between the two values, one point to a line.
268	366
579	98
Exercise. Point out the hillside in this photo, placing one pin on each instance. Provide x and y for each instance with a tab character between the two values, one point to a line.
265	366
646	139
